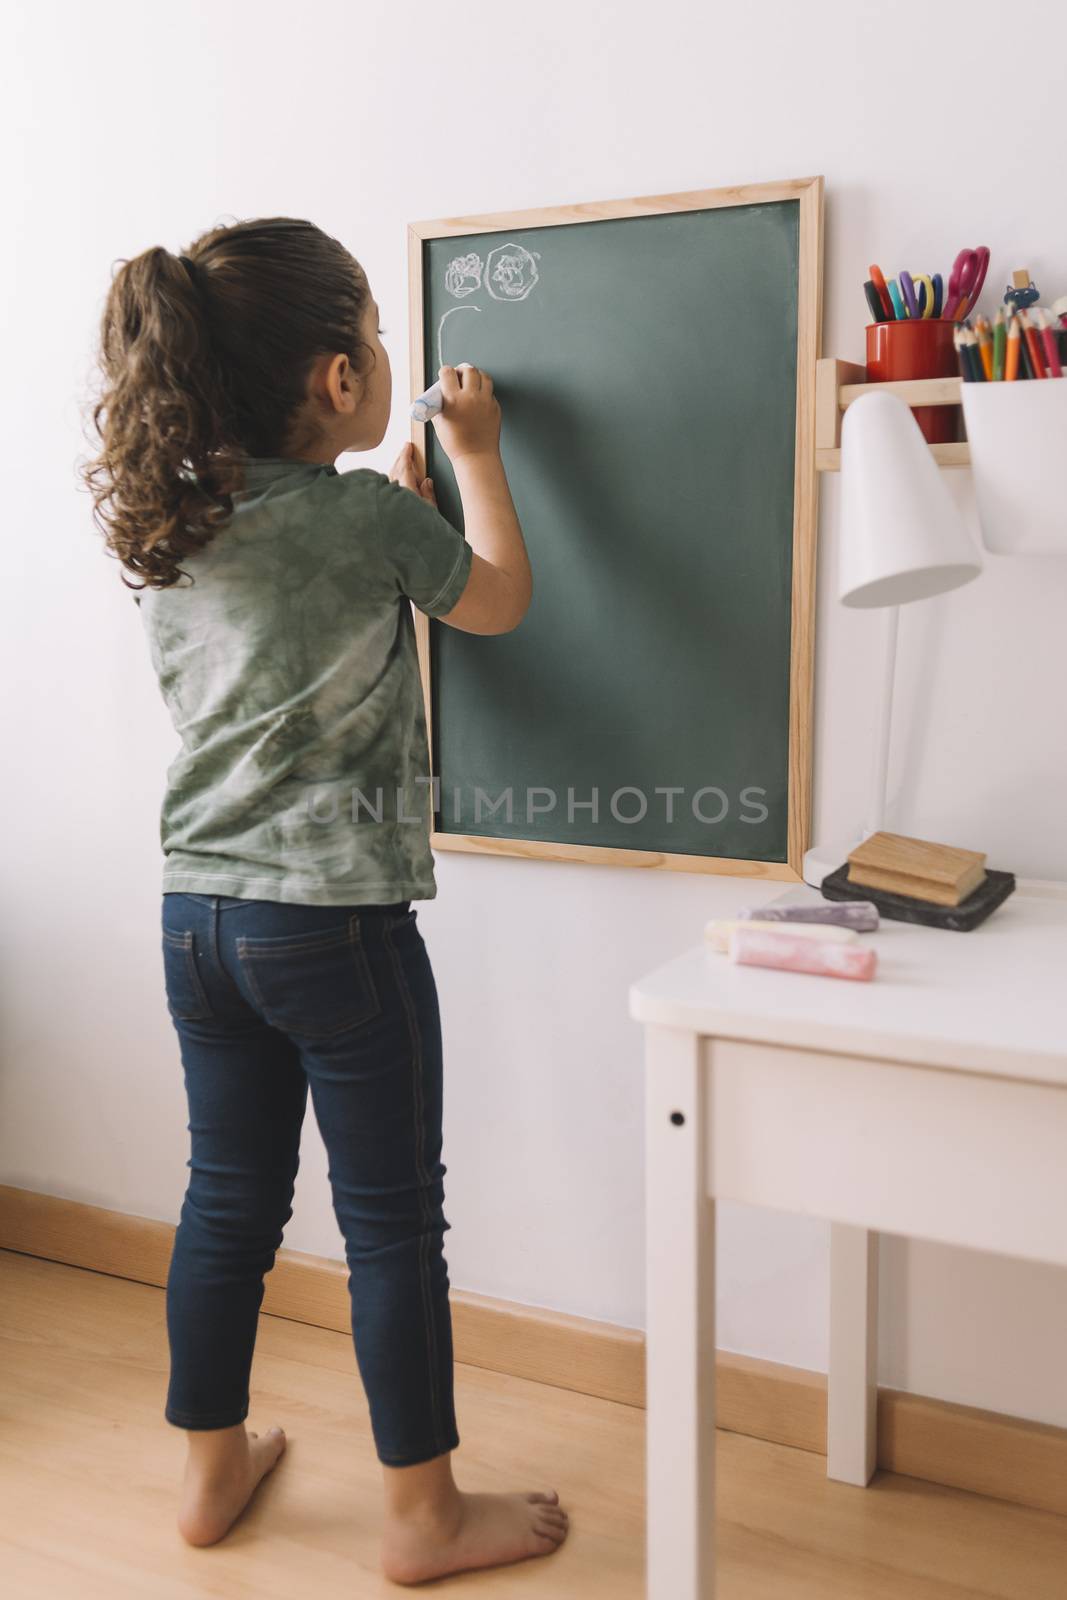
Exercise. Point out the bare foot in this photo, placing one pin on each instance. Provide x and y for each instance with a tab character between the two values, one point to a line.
221	1478
471	1530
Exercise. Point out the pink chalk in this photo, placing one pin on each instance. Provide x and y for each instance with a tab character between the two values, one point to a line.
753	947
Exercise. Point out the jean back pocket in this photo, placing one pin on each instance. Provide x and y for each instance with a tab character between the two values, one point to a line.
186	997
312	985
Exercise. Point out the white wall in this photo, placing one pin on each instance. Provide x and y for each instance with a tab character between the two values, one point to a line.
134	127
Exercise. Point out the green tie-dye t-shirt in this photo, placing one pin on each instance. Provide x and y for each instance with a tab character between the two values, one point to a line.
290	672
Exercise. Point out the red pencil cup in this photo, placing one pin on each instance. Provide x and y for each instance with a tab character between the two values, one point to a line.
918	348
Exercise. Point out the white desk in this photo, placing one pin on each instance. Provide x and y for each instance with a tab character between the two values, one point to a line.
931	1103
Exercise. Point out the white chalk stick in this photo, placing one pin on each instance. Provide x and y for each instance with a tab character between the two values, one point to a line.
792	952
431	402
717	933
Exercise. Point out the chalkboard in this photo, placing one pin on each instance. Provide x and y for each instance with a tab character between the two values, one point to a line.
654	362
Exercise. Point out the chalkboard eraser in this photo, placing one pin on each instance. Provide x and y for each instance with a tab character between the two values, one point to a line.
791	952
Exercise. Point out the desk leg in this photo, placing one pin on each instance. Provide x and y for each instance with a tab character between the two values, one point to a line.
852	1391
680	1245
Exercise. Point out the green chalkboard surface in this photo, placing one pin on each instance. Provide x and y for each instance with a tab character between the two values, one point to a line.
646	367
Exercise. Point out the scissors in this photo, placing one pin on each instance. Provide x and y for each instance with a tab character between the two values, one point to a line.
907	290
924	290
880	289
965	283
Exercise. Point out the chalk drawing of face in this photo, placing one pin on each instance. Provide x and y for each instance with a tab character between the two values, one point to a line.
464	275
510	272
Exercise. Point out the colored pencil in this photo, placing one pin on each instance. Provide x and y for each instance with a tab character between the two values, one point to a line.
1011	365
1033	345
971	369
977	362
967	362
1052	349
985	347
957	343
1026	366
999	341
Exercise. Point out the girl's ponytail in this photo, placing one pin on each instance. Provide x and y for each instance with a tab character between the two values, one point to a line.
205	360
159	485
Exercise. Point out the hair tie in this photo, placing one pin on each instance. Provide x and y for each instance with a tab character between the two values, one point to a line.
188	264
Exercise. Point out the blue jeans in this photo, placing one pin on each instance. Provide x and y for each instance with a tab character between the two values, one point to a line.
269	1000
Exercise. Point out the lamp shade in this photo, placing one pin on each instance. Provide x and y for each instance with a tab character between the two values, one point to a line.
902	537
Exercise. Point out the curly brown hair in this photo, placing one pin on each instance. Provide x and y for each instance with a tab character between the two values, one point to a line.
205	360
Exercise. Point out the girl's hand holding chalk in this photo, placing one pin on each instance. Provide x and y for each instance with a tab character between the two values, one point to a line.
468	423
431	401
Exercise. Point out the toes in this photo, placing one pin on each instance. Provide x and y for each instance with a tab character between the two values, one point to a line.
551	1498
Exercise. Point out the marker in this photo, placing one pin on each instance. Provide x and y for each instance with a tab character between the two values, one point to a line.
431	402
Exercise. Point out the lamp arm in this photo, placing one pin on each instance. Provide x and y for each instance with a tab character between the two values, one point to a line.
876	803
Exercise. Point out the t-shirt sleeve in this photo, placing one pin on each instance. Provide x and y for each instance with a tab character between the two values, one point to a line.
429	560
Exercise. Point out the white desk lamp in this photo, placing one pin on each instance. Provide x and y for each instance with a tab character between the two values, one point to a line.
902	539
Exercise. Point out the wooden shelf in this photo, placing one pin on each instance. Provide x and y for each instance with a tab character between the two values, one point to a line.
946	455
916	392
839	383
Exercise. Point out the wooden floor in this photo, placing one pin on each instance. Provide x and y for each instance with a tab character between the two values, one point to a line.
88	1472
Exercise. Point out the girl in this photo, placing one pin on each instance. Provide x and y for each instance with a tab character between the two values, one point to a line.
274	598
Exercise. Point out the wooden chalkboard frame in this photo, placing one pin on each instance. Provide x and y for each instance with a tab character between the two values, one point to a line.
808	192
